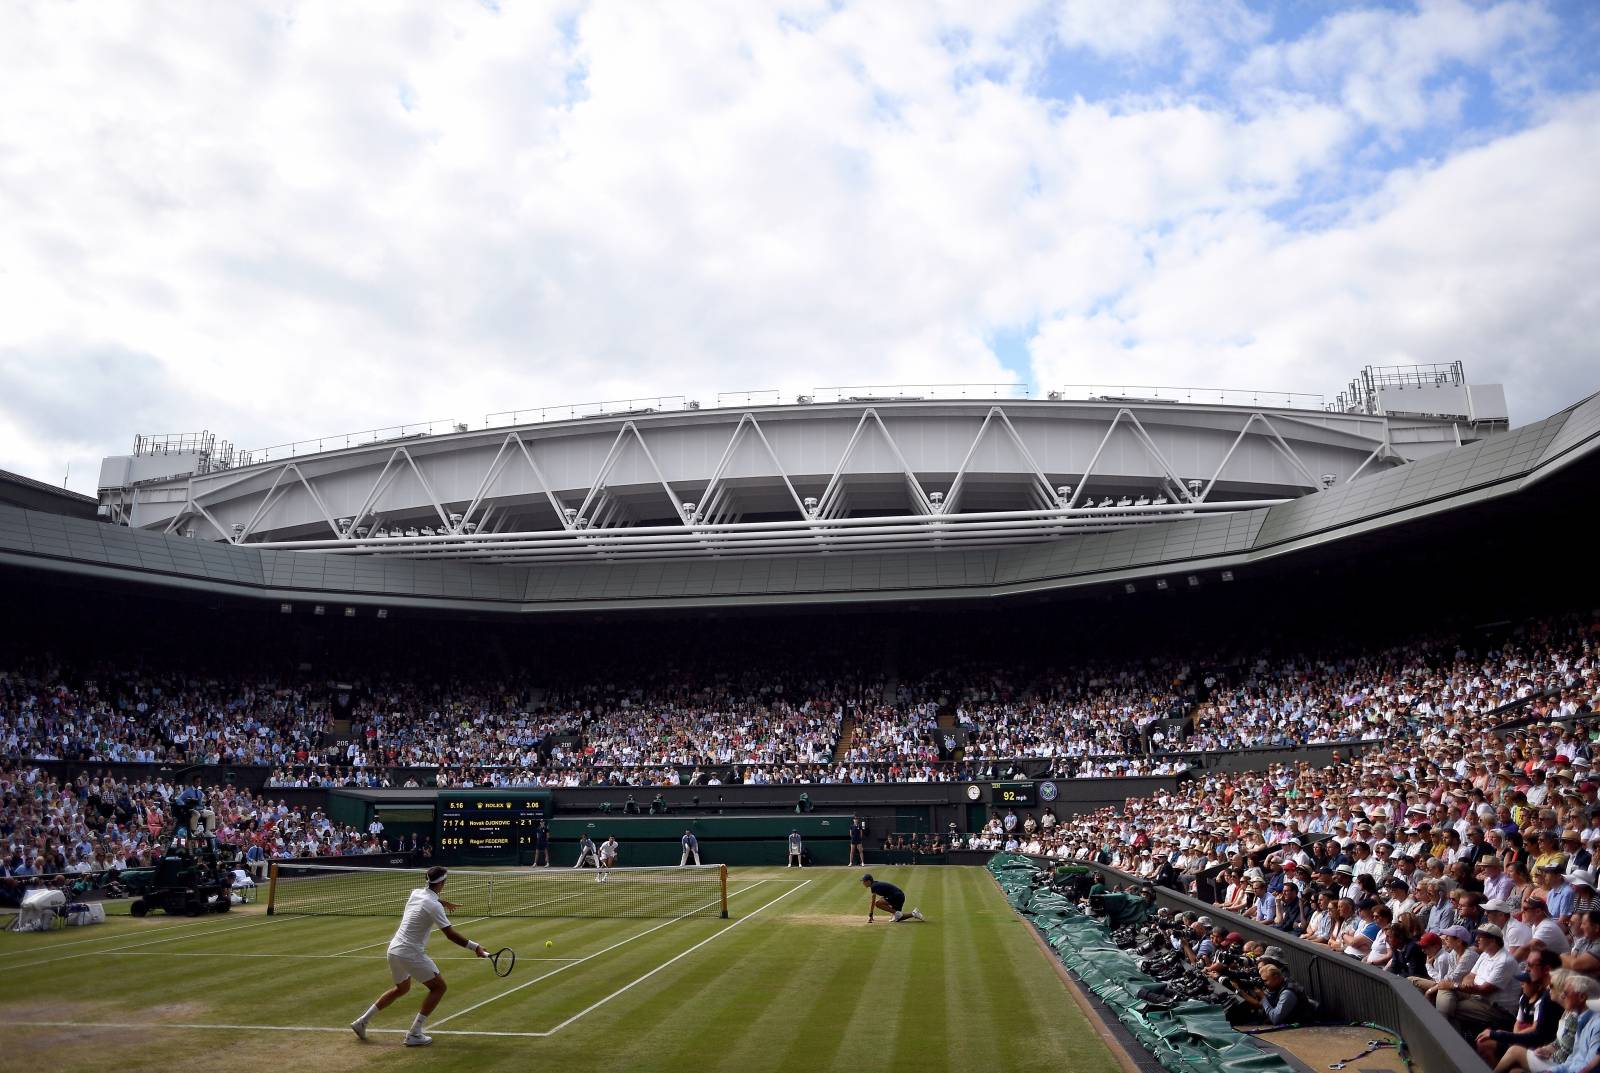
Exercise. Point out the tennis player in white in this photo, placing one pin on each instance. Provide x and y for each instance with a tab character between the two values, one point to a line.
608	858
408	955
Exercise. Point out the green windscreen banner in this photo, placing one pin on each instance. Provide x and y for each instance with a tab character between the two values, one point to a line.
1191	1036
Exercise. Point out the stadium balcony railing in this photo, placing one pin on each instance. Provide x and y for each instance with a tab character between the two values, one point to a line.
1346	990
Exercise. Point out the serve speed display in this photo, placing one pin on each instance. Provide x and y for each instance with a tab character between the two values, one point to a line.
1019	794
488	827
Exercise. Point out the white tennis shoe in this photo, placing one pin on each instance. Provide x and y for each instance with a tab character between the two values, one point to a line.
417	1039
359	1027
918	914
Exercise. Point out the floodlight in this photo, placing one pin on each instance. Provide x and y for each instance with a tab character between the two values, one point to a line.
1194	582
349	612
1328	479
1129	588
383	612
319	610
285	609
1161	583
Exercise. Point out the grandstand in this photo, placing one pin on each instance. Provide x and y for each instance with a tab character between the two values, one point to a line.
1153	638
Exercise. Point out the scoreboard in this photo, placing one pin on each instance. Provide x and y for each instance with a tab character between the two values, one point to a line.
488	826
1015	794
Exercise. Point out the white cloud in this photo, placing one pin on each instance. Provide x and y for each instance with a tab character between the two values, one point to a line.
1397	70
283	220
1149	30
1473	260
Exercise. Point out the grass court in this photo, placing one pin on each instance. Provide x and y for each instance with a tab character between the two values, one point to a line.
795	980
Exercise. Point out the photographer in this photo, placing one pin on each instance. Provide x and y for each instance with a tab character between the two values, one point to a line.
1277	1000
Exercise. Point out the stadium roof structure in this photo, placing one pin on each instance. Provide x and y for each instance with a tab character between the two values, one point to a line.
901	500
29	494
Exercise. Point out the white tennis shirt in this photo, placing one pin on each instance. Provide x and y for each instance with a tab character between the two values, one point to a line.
423	912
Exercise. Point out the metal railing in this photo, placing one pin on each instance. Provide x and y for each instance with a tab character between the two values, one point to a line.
1222	396
914	392
573	410
363	438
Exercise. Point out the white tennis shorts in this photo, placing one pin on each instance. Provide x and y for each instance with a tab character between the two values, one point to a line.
419	967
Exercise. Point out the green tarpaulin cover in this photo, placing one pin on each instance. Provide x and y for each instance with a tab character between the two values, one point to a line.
1191	1036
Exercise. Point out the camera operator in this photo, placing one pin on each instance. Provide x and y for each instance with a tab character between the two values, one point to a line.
1199	940
1277	999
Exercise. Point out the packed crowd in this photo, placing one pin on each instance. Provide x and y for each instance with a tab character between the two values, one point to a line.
1460	858
764	722
99	825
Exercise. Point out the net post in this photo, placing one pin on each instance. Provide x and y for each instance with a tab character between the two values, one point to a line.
722	880
272	886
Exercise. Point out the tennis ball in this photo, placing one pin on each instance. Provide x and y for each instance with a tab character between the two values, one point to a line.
549	944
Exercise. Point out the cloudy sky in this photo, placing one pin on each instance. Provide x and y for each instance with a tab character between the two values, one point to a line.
278	220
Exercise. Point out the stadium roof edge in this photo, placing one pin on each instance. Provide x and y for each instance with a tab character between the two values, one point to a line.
1478	473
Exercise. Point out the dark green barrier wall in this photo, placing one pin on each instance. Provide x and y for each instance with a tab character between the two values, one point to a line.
735	840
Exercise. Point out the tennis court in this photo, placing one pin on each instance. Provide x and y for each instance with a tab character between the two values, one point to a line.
794	978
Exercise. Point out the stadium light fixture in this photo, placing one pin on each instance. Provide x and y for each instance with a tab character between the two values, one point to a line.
383	612
319	610
1161	584
285	609
1194	581
1227	575
1328	479
1194	488
937	499
1054	396
805	400
349	612
1129	588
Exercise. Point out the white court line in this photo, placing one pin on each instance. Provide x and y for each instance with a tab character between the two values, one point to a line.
102	938
433	1029
255	1028
597	953
227	954
151	942
669	961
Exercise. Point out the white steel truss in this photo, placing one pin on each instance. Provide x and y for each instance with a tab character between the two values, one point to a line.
592	519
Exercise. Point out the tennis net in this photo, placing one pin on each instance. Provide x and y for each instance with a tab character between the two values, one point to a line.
338	890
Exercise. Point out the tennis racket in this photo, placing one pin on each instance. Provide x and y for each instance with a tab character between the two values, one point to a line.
503	960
